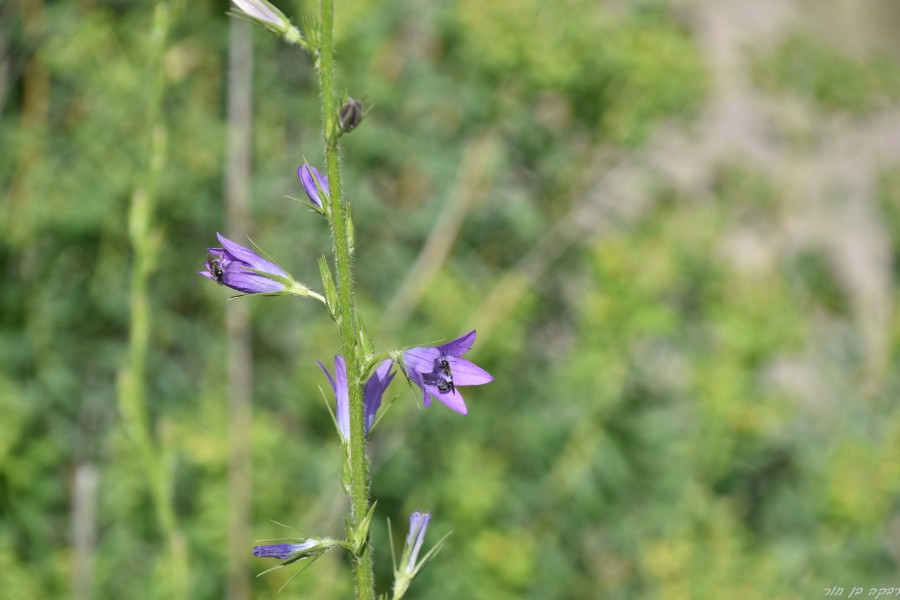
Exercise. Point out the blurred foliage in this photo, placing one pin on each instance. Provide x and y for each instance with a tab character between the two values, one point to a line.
827	77
650	432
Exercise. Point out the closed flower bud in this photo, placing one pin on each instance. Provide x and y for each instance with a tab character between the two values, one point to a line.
311	547
418	524
285	551
410	564
350	115
313	181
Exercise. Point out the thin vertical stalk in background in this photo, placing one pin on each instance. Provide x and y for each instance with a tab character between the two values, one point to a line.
240	367
145	242
346	311
84	529
34	120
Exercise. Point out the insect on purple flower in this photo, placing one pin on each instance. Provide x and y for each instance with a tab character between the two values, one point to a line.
242	269
214	264
440	370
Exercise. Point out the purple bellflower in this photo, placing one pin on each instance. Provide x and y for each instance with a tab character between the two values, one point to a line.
372	393
439	370
236	267
308	176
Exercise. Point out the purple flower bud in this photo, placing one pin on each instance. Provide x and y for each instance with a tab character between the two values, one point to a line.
284	551
308	177
374	390
439	370
234	266
418	524
350	115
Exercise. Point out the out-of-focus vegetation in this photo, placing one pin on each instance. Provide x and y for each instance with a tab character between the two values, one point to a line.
695	402
833	80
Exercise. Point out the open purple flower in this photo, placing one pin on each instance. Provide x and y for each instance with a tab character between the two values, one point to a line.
439	370
236	266
372	393
308	176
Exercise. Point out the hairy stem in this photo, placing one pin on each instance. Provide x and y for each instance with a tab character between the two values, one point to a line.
346	311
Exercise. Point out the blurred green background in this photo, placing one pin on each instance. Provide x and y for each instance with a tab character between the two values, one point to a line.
675	225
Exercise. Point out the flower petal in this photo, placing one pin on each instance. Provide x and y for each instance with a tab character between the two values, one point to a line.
414	520
257	9
459	346
374	390
420	360
341	394
418	526
249	257
452	399
237	277
467	373
328	375
427	390
308	176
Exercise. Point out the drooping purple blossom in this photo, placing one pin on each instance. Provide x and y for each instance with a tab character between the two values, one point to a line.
439	371
308	176
418	524
234	266
372	393
284	551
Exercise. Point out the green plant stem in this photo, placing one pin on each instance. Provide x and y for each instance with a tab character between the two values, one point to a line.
133	384
346	311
